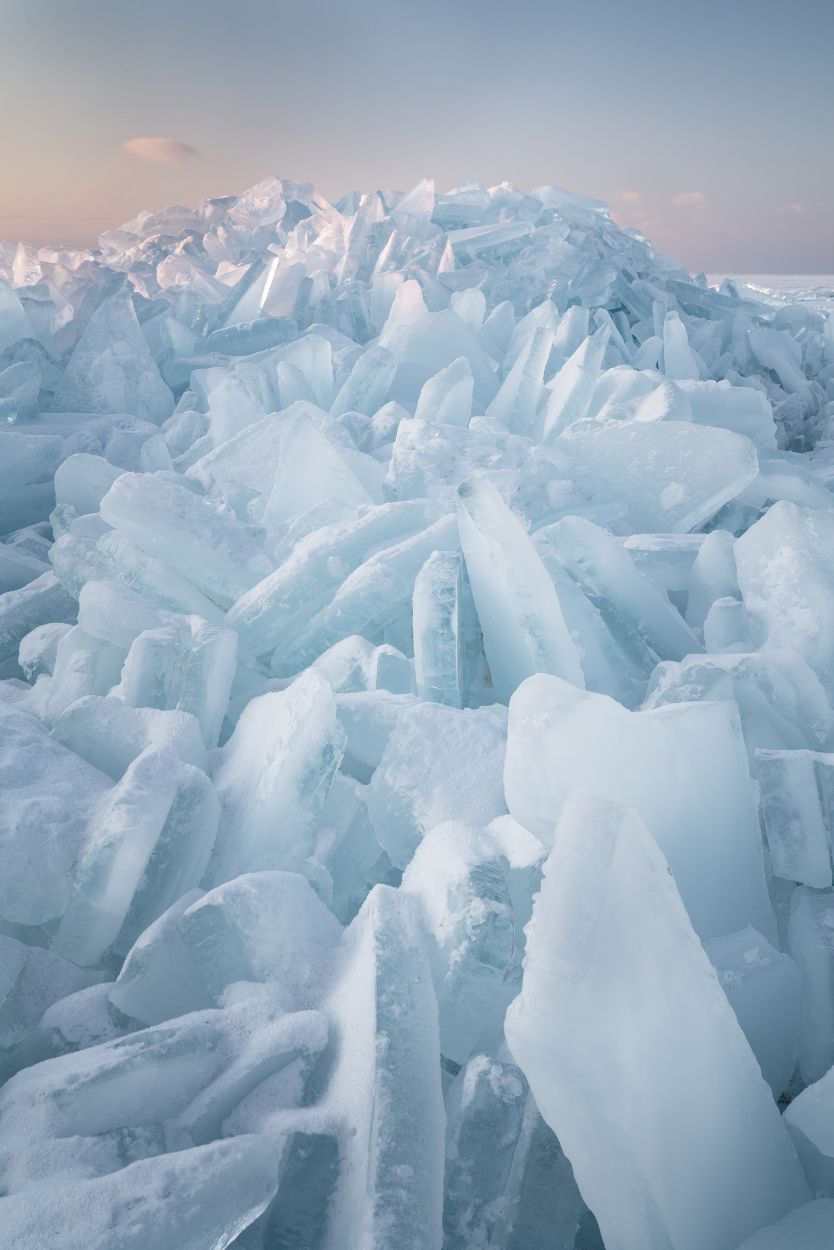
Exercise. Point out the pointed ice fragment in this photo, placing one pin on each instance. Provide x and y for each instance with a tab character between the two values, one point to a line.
308	470
439	764
446	399
273	612
518	608
390	1188
563	739
570	333
446	632
677	355
672	475
639	616
188	532
14	324
272	778
570	391
623	1084
516	404
188	665
148	843
112	369
786	575
46	797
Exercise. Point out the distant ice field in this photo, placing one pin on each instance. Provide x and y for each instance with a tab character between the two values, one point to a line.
816	289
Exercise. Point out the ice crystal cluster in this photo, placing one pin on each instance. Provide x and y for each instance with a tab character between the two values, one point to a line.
416	736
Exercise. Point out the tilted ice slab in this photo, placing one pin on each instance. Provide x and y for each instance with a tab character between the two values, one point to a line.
682	767
634	1055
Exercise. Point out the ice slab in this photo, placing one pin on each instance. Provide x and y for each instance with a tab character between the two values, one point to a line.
621	1122
49	795
148	843
785	575
811	944
780	699
809	1227
764	987
809	1120
673	476
221	1188
523	625
272	778
508	1182
32	980
374	600
474	886
390	1190
187	666
447	635
440	763
270	615
640	617
796	791
43	599
186	531
111	368
265	927
561	739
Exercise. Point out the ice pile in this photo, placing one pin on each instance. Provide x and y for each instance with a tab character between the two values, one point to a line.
416	736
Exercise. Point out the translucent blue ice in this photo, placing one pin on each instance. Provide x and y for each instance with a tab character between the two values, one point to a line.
416	735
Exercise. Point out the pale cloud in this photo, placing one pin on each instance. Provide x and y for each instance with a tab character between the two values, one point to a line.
161	151
689	199
799	209
651	227
627	197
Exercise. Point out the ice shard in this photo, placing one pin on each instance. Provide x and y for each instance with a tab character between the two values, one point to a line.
446	399
673	1135
272	778
111	369
221	1188
447	641
148	843
518	608
570	392
786	579
562	739
674	476
390	1190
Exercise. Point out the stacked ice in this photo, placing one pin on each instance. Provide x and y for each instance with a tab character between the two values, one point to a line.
416	736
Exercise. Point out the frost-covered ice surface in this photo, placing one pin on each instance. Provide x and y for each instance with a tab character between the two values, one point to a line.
416	735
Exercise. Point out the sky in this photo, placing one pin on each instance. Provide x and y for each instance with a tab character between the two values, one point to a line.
708	124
